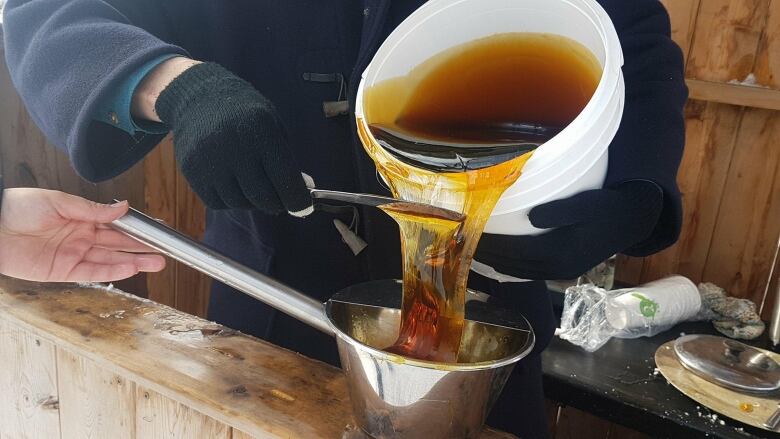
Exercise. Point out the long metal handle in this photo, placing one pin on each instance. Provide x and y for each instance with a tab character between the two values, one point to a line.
349	197
378	200
172	243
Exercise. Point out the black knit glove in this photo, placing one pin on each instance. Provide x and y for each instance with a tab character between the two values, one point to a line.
589	228
230	144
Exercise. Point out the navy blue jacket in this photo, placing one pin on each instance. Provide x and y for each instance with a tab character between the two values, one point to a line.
67	55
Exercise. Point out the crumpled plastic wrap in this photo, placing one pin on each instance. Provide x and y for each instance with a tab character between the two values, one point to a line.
586	319
592	315
584	322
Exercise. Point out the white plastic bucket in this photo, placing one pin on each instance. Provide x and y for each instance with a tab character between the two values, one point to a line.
573	161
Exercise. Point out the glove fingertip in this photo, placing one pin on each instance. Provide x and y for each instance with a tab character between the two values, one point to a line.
302	213
298	203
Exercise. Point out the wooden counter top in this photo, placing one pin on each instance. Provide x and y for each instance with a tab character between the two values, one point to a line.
94	362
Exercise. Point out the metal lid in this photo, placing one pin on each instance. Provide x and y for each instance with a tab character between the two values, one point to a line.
728	363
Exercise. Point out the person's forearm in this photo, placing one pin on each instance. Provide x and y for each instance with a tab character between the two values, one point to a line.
145	96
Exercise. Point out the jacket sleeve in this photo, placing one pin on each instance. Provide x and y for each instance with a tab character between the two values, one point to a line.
649	143
65	57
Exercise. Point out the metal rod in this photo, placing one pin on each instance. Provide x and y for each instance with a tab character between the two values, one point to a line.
183	249
774	324
378	200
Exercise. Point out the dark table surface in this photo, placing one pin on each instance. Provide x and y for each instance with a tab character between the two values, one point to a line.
617	383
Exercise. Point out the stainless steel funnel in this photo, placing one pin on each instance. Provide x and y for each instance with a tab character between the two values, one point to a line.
392	396
400	397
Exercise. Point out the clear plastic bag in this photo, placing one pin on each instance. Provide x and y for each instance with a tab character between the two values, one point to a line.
584	322
593	315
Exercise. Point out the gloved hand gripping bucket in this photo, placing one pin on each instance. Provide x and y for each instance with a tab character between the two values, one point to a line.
573	161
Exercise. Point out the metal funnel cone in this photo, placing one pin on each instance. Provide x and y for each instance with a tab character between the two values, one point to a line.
399	397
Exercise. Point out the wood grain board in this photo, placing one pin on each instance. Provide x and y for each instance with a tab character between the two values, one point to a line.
683	15
726	40
160	417
748	222
130	368
767	68
719	399
94	403
29	402
734	94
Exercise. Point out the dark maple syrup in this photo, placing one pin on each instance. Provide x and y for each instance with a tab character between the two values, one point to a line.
456	132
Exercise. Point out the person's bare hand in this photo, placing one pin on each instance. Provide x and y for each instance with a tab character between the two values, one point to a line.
51	236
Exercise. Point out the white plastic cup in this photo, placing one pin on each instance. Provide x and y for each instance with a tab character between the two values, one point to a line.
661	303
573	161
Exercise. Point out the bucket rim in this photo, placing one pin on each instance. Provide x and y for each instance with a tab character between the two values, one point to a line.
432	365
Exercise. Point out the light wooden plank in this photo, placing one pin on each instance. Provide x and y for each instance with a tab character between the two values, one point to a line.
160	202
192	287
236	380
29	403
734	94
768	63
726	39
94	403
749	219
711	133
682	14
232	378
161	418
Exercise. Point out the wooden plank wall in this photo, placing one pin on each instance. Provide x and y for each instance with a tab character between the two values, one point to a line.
96	363
50	392
730	176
